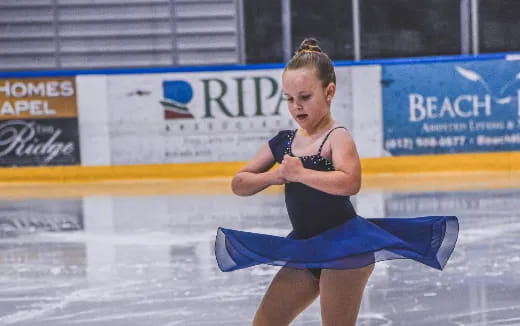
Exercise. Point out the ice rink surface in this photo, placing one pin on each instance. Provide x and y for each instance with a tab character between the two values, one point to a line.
143	255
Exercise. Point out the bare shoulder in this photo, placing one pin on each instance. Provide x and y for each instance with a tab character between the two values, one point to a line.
345	157
341	138
343	150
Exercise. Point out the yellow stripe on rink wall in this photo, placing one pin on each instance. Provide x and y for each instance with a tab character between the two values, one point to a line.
503	161
500	161
120	172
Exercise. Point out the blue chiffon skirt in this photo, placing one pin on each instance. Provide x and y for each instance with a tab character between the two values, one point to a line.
356	243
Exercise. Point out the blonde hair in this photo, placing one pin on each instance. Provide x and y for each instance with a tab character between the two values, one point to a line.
309	54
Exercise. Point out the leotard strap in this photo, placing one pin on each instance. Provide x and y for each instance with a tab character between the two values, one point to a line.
326	137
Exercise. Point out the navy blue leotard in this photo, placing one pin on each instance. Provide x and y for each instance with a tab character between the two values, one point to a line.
310	210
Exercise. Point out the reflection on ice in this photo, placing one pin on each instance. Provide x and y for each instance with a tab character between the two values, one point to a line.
149	261
36	215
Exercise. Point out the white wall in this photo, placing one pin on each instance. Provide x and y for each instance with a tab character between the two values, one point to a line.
367	109
93	111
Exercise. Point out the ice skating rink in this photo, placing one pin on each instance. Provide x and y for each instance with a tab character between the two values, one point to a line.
141	253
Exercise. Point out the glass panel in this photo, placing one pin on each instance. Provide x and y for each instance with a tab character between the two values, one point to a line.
263	24
402	28
499	25
329	21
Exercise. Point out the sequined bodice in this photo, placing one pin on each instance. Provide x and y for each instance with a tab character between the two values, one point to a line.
310	210
314	162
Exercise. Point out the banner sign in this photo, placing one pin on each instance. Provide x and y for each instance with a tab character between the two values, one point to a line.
38	122
451	107
200	117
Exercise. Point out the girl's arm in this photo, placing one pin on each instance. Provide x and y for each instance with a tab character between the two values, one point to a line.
255	175
344	181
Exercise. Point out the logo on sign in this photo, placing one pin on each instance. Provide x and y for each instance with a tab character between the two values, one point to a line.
177	94
24	139
475	77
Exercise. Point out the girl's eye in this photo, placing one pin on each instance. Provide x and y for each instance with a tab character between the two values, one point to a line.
305	97
289	99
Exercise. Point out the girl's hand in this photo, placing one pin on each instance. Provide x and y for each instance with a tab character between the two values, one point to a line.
291	168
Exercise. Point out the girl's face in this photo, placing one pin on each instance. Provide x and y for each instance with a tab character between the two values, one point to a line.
308	100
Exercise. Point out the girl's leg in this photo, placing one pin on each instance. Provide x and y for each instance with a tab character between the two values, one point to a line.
290	292
340	294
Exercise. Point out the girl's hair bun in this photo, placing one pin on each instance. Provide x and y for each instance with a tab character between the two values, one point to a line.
309	45
309	54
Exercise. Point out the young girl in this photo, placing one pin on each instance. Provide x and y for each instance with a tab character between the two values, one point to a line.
331	251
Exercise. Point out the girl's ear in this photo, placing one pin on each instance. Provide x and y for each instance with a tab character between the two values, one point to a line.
330	91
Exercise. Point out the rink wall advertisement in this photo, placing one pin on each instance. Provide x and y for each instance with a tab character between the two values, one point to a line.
200	117
454	107
38	122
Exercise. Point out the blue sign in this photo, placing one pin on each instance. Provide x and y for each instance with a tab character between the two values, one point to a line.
453	107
